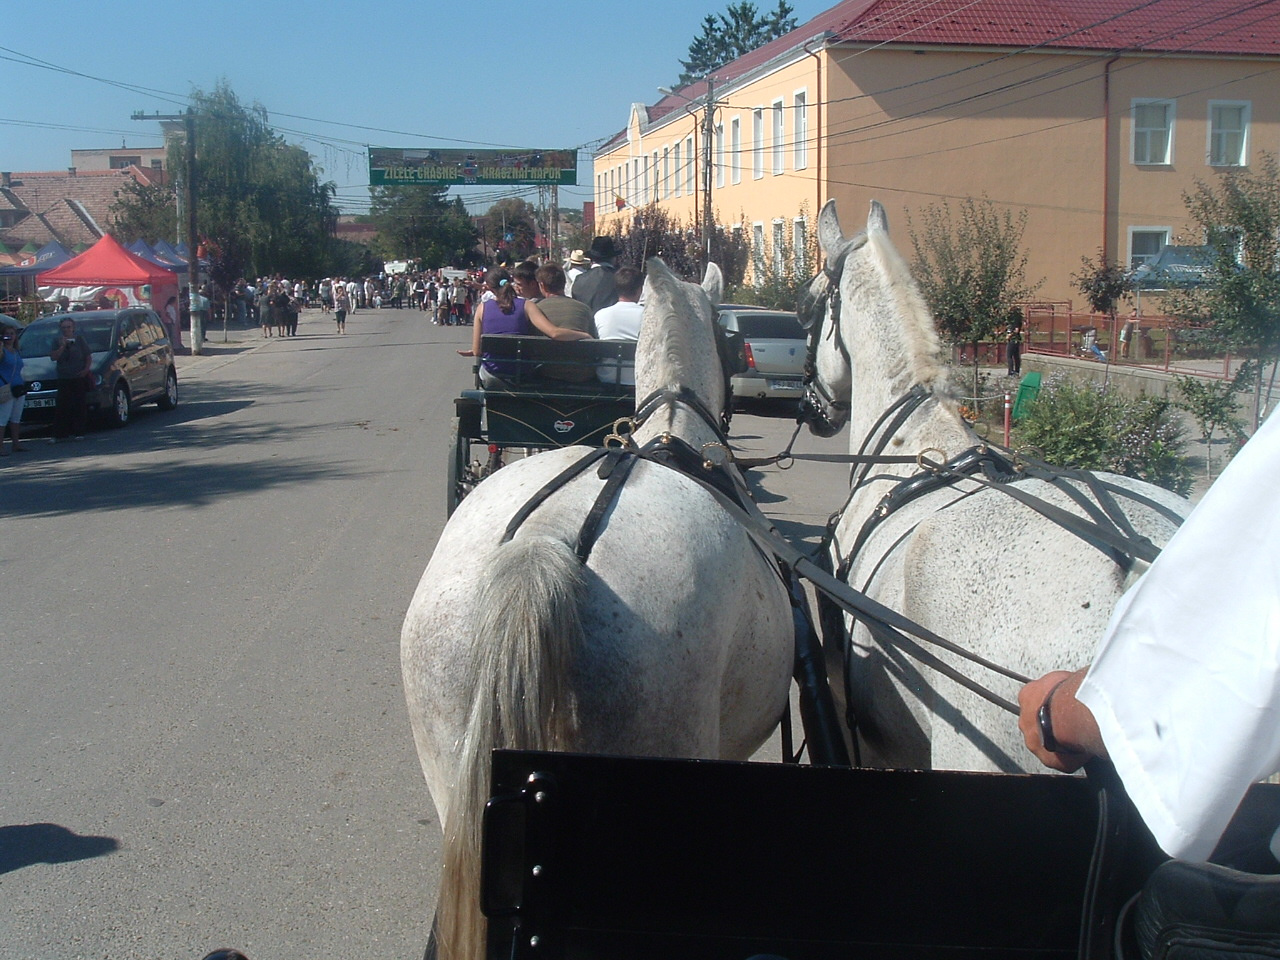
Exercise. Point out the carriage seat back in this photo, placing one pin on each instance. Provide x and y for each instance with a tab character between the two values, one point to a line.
568	364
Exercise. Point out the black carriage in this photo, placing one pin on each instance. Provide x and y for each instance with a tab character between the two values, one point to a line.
631	859
555	393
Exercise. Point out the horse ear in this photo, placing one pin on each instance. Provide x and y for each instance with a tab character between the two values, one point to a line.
877	219
713	284
830	236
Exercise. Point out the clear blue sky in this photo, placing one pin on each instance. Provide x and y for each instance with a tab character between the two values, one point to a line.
485	73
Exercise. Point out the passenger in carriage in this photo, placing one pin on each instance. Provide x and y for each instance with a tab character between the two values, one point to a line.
621	321
507	313
566	313
525	274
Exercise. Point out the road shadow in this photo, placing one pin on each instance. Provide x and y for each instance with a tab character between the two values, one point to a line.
90	486
22	845
796	532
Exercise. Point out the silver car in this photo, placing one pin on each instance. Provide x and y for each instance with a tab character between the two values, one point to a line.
775	345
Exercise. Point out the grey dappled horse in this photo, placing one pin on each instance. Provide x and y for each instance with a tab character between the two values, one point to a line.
978	568
673	640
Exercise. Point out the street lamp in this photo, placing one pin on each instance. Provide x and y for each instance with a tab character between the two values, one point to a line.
708	132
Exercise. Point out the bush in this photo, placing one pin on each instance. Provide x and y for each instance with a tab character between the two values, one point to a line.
1092	428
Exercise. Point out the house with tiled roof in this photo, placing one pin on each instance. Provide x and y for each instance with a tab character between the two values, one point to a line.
71	206
1093	116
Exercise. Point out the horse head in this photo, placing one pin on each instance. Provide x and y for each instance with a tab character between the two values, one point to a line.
828	380
677	348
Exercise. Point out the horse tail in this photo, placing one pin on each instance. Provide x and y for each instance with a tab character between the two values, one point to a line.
528	629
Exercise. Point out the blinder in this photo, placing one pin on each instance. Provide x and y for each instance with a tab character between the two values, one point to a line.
819	409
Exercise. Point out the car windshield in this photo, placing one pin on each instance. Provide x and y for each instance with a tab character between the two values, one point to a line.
770	326
37	340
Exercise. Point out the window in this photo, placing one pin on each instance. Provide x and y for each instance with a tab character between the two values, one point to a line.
735	148
666	172
779	248
1228	133
600	190
690	168
627	185
779	156
800	130
757	143
1145	244
800	243
677	162
757	249
644	180
1153	131
656	179
119	163
719	154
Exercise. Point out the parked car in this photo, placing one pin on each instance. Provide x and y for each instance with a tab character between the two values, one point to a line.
775	345
132	364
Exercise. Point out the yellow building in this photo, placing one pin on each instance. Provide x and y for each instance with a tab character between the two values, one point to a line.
1093	116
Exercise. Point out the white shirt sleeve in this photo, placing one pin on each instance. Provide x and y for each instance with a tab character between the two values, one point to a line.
1186	683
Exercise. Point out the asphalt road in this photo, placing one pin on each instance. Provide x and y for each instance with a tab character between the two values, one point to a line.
204	736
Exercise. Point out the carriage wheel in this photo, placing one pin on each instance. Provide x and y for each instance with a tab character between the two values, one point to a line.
462	477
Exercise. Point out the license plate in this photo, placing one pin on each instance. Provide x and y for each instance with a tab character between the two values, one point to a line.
42	402
784	384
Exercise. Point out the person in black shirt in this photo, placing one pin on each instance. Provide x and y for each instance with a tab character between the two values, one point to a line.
74	362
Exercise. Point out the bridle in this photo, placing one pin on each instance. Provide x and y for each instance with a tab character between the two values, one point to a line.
819	403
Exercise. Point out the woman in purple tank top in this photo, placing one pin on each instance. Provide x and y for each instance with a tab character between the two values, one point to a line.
504	312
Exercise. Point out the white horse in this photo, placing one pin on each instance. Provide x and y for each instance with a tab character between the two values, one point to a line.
674	639
968	562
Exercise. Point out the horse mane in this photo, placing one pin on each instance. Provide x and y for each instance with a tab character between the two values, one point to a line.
923	349
674	351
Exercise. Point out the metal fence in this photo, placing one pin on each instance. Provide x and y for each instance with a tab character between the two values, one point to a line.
1152	343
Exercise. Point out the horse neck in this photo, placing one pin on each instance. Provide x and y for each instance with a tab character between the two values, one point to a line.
893	350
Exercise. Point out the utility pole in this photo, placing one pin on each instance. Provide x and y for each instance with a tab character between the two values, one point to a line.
189	198
708	134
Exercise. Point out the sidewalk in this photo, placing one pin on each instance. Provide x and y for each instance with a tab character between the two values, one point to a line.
238	340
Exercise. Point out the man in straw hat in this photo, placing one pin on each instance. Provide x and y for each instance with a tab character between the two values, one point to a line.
574	267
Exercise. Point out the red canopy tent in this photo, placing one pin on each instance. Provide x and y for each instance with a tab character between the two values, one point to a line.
108	269
107	264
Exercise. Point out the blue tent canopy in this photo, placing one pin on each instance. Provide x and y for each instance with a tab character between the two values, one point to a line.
170	254
46	258
1175	267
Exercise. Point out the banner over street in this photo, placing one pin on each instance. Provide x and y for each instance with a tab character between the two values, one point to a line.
394	166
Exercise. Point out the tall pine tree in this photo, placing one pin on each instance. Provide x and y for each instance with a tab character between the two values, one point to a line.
727	36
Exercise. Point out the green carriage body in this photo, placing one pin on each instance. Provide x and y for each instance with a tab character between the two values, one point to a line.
551	396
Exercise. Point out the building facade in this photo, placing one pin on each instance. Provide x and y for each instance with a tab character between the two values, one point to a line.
1093	117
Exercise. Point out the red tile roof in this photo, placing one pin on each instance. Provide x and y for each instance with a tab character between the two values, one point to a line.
1210	27
70	208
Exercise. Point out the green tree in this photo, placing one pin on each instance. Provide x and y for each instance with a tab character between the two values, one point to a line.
1240	221
653	232
421	222
515	218
970	268
1212	404
779	273
261	201
145	211
727	36
1104	283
